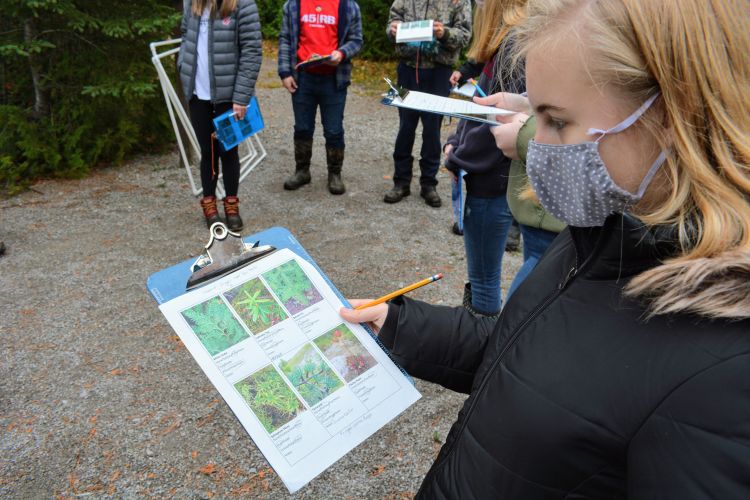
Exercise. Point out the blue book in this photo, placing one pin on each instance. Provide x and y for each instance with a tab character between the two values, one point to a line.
230	131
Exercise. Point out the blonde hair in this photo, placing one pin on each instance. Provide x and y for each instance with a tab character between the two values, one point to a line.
227	7
697	54
493	19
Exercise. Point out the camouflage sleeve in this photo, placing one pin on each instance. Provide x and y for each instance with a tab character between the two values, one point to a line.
397	13
458	34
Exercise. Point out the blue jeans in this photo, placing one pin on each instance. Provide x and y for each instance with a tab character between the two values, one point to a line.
486	225
535	243
319	90
432	81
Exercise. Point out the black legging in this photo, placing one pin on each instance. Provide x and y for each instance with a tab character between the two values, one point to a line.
202	114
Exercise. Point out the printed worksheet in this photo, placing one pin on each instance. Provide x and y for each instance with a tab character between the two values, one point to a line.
415	31
306	385
430	103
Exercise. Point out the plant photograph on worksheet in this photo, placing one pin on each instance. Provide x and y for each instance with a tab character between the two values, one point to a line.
215	325
292	286
255	305
310	375
270	398
345	352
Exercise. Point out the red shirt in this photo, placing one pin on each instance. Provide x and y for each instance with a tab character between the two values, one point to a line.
318	33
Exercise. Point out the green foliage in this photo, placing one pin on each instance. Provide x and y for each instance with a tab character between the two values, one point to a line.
292	286
310	375
270	398
374	20
255	305
95	98
213	323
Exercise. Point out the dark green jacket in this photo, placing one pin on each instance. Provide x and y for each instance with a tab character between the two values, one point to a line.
527	212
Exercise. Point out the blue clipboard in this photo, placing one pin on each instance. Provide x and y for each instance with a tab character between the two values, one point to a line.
170	283
230	131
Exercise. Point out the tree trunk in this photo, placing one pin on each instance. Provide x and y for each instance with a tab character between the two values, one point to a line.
41	97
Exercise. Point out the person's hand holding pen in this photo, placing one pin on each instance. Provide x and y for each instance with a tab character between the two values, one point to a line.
506	133
374	316
374	312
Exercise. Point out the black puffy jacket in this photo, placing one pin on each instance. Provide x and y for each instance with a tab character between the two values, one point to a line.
574	394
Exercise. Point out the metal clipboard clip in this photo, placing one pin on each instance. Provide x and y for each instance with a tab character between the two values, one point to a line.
224	253
393	92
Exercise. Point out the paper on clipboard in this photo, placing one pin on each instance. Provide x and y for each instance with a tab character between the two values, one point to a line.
430	103
307	386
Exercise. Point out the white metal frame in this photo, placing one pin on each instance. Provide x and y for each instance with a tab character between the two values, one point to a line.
252	151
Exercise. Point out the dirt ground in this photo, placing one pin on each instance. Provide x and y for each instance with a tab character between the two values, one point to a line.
97	394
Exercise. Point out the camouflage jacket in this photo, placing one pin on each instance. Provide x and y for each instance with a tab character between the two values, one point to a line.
455	16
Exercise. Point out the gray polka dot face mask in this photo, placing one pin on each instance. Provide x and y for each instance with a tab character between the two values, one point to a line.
573	183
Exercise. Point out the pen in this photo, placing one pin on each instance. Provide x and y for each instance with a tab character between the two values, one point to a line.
401	291
479	89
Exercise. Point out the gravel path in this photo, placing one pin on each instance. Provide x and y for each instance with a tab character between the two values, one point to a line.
97	394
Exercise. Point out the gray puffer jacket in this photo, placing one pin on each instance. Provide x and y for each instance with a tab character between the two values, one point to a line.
234	52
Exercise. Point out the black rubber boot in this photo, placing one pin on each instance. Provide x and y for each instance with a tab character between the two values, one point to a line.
302	156
335	159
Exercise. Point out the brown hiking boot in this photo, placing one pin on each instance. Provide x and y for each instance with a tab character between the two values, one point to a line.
210	212
232	213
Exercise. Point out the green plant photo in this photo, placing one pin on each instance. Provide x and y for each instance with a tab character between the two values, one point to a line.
310	375
255	305
268	396
215	326
295	290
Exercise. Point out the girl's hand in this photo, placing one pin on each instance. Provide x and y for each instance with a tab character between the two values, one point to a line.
506	133
455	77
239	110
374	316
394	27
506	100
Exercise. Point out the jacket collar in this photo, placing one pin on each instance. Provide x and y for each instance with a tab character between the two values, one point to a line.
621	248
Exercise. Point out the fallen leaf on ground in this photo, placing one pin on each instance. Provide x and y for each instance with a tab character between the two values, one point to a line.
207	469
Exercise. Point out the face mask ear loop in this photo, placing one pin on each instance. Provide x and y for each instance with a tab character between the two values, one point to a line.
626	122
651	172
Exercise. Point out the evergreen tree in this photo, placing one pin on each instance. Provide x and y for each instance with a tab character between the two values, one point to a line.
78	87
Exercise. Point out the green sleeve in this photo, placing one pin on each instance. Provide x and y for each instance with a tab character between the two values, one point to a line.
527	212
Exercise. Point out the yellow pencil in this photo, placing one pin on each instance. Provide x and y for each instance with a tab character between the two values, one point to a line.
401	291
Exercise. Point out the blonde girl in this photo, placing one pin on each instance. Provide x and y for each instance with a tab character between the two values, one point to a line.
621	367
